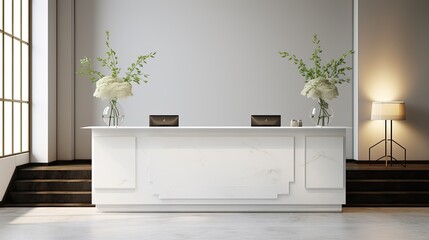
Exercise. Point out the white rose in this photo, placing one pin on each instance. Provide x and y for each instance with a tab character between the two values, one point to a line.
320	88
110	87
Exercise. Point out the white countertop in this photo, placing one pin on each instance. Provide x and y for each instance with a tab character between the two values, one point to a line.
216	127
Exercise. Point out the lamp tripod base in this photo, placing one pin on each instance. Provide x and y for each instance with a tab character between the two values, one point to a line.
389	156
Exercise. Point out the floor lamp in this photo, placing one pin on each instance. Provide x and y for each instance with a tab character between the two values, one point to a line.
388	111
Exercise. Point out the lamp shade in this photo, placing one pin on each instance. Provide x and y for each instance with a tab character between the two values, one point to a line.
393	110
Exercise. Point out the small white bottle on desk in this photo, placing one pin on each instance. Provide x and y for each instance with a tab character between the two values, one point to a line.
293	123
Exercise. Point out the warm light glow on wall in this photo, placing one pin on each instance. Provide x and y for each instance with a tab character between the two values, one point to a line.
386	82
393	65
373	133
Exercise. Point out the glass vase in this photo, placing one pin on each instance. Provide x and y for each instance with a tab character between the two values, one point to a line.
113	113
321	115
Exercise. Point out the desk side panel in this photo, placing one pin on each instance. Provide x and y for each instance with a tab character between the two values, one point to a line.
114	165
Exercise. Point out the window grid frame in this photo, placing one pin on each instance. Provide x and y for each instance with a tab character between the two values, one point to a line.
20	101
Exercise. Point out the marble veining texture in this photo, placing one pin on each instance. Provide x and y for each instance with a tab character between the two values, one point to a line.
220	167
324	162
87	223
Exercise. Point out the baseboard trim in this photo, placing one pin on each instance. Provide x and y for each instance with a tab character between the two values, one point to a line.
222	208
351	160
60	162
75	161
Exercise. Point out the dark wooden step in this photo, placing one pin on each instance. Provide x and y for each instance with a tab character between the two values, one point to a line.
52	185
53	174
48	205
387	185
413	205
375	185
59	184
387	197
49	197
387	174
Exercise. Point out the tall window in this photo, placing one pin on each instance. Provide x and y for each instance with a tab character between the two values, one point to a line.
14	77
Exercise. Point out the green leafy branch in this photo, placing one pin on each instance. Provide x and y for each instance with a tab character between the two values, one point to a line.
133	73
130	75
334	69
112	60
87	70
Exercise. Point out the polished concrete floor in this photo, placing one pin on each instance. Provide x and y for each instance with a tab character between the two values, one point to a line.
87	223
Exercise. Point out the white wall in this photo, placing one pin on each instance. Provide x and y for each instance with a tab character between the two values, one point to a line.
393	65
43	77
65	80
217	60
7	167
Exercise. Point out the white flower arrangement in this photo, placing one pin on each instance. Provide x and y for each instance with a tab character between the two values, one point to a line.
111	86
321	80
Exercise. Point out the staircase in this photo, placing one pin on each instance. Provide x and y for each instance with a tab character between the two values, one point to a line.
59	185
393	186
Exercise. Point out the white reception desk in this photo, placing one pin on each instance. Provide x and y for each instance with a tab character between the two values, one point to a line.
239	169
